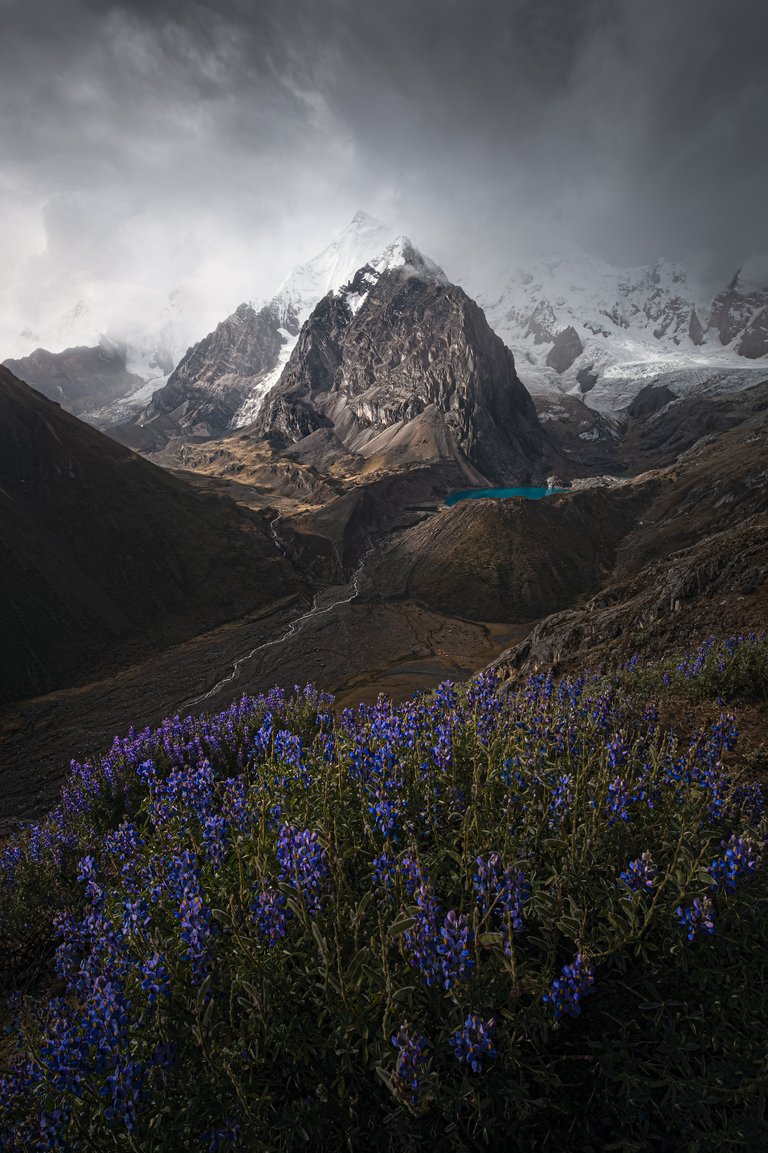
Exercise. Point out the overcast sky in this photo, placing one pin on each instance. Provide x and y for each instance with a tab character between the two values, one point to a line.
153	144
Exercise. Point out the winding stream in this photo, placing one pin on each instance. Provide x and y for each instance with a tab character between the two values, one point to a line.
350	592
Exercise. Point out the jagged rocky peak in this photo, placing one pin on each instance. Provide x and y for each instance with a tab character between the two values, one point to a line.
362	241
244	344
221	382
401	254
396	342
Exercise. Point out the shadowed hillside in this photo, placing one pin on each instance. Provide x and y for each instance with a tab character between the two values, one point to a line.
104	556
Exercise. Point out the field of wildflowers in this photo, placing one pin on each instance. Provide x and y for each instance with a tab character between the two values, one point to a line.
483	919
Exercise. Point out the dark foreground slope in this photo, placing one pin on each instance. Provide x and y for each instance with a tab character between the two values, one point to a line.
104	557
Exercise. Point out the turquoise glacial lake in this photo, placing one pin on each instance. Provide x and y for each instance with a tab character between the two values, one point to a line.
500	494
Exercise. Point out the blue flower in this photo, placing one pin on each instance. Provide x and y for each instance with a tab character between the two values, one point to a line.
473	1042
740	858
410	1060
304	864
697	918
270	914
640	875
566	992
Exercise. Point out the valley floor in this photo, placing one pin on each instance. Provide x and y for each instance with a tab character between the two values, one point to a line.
354	650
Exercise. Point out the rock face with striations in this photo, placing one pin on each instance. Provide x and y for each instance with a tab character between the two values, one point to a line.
210	383
396	346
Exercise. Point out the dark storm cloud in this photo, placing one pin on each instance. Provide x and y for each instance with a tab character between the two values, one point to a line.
161	140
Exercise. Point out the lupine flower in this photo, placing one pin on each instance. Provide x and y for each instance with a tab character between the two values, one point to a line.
386	813
196	925
10	859
410	1060
156	981
566	992
473	1042
422	938
384	870
270	915
502	891
617	801
438	946
562	799
453	948
640	874
124	1088
697	918
304	864
216	839
740	858
412	872
87	875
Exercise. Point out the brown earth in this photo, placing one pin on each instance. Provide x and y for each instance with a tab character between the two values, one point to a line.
356	651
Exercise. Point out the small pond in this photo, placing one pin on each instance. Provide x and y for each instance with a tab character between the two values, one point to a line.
500	494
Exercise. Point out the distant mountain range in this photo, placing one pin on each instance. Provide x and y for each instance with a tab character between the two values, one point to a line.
574	325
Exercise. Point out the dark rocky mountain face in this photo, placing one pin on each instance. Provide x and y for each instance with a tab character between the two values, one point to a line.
566	348
105	557
542	325
753	341
78	378
210	383
401	350
742	316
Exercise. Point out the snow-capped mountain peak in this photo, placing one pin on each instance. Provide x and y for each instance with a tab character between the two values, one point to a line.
351	264
401	253
578	324
359	243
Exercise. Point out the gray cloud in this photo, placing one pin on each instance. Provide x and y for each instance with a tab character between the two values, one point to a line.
147	144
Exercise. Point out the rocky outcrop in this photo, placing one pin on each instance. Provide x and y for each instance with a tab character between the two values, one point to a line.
734	311
542	325
565	350
587	379
695	329
694	561
391	346
78	378
753	342
649	400
518	559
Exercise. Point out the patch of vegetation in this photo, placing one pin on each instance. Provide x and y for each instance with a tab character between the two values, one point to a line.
734	669
534	921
